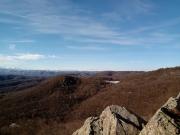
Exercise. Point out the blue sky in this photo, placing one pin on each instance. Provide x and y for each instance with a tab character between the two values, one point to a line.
89	34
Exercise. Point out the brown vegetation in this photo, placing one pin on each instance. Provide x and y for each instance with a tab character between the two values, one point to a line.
60	105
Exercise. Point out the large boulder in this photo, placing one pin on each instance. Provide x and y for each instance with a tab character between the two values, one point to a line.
114	120
166	120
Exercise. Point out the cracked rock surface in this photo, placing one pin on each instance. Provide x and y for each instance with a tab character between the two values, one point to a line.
166	120
114	120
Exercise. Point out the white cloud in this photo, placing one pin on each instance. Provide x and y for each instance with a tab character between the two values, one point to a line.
21	57
29	56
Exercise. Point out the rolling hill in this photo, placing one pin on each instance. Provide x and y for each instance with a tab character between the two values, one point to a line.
59	105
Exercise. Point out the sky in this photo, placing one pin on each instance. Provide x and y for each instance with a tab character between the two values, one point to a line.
89	34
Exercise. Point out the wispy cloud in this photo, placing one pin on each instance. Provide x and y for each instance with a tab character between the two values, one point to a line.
128	9
65	19
87	47
156	27
21	57
26	57
52	56
74	23
23	41
12	44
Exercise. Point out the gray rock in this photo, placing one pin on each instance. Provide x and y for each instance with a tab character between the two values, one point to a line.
166	120
90	127
114	120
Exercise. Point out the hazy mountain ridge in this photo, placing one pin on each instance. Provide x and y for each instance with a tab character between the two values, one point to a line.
44	73
10	83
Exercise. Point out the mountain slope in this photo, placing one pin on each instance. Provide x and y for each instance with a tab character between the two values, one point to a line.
61	104
51	99
142	93
10	83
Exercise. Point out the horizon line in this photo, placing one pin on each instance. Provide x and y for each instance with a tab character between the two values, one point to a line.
76	70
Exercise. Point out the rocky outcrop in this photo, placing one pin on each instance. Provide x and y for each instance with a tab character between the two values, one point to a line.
166	120
114	120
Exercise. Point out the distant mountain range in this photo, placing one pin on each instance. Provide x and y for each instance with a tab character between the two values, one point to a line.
16	79
10	83
43	73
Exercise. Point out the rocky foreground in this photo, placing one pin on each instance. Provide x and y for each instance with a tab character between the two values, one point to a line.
116	120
